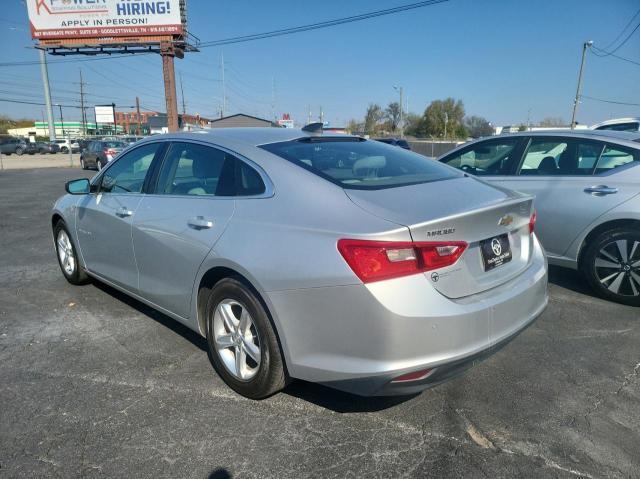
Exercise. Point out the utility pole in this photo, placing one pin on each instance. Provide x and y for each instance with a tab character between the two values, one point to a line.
168	52
47	95
309	115
585	45
273	98
321	116
446	120
139	130
224	88
84	117
401	124
184	106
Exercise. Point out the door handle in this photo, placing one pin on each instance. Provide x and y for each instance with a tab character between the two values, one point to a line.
200	223
124	212
600	190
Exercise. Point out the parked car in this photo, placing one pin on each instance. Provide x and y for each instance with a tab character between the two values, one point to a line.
66	144
99	153
587	186
406	273
619	124
131	139
31	148
44	147
402	143
11	145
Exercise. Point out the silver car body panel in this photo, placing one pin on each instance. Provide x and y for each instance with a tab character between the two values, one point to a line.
566	213
332	328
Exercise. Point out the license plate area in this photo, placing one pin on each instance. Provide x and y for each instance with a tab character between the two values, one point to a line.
496	251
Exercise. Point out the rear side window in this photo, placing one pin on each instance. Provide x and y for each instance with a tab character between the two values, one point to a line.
191	169
560	156
616	156
631	126
493	157
360	164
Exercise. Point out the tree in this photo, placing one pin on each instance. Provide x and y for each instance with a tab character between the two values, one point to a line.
477	126
373	116
392	114
355	127
552	122
7	123
449	112
413	124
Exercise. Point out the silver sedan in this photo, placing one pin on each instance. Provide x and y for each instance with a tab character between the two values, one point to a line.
331	259
587	189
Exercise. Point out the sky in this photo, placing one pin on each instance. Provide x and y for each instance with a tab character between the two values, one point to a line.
507	60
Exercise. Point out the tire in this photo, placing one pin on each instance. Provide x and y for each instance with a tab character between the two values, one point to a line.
68	262
19	151
255	380
64	150
609	273
82	165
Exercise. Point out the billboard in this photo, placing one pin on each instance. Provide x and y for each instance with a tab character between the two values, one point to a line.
72	19
105	114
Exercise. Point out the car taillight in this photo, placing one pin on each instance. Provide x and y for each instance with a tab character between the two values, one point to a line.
532	222
109	151
378	260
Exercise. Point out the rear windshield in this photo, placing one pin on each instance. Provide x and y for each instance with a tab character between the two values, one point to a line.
360	164
114	144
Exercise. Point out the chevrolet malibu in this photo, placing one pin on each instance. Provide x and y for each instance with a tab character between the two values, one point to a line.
332	259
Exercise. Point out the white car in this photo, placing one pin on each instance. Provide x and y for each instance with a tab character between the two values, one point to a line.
66	144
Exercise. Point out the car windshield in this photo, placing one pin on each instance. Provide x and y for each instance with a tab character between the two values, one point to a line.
360	164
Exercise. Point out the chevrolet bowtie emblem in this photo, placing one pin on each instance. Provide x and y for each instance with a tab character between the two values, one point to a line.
506	220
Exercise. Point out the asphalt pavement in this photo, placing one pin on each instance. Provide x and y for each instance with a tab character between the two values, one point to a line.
94	384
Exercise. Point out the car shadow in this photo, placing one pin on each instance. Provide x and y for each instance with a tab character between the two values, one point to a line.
323	396
570	279
340	401
157	316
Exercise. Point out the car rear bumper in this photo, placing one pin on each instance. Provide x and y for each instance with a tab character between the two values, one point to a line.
359	338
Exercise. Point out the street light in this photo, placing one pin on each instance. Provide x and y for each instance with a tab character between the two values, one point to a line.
61	119
446	120
401	91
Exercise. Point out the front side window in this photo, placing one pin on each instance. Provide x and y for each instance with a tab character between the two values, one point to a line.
360	164
128	172
560	156
615	157
494	157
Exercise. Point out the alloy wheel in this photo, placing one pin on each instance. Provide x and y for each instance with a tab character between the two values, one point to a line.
65	253
617	267
236	339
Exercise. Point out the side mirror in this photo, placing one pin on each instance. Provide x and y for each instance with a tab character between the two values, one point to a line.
77	187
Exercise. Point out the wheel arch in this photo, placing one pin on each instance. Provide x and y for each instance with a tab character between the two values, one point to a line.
601	228
215	274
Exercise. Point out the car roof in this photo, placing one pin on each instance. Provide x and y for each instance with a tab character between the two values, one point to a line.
593	134
617	121
247	136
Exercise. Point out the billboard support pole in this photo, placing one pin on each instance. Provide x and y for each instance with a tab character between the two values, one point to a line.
47	95
167	51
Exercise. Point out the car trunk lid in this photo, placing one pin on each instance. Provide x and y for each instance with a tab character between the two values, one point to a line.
461	209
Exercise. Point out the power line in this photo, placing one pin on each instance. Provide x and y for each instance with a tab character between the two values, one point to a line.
593	47
610	101
319	25
605	53
622	31
111	56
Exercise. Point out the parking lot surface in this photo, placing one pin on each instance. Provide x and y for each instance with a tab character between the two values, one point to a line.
94	384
